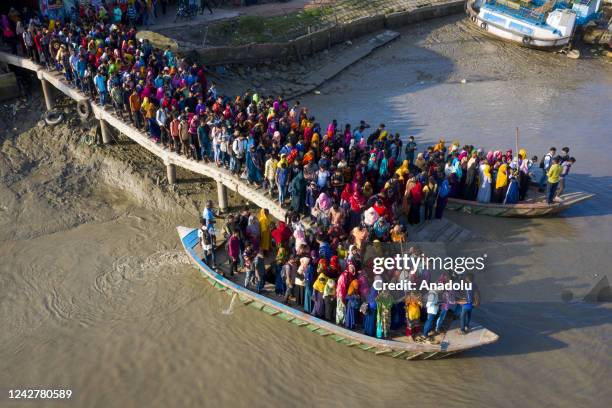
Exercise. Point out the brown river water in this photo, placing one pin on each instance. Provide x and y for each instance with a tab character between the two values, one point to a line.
97	296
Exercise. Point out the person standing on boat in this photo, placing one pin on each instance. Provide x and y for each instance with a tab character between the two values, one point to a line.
384	304
554	175
545	166
341	291
443	192
430	193
471	183
512	195
279	262
447	302
299	283
472	299
566	166
353	301
319	289
288	272
370	312
233	251
484	190
259	267
413	313
501	182
207	241
208	215
329	300
432	310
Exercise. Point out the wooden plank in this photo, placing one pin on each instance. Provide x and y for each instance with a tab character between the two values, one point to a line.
415	355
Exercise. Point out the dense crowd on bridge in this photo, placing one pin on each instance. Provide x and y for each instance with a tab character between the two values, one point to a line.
353	184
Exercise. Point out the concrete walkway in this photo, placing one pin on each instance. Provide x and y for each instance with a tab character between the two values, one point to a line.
442	231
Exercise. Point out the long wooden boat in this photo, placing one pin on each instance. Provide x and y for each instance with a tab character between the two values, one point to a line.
534	206
398	346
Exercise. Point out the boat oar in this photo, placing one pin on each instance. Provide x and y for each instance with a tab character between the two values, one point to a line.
230	309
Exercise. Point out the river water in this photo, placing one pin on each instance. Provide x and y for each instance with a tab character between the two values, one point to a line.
96	295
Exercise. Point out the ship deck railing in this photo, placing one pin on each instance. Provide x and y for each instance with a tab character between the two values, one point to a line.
519	12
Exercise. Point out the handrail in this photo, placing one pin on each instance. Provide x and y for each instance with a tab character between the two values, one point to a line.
219	174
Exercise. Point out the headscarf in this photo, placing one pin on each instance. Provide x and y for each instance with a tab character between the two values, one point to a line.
403	169
324	202
502	178
283	159
347	192
420	161
281	233
364	288
356	201
353	288
486	170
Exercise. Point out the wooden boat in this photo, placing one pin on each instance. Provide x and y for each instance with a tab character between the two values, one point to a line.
534	206
399	346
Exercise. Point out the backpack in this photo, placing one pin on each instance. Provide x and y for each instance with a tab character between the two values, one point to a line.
444	189
542	164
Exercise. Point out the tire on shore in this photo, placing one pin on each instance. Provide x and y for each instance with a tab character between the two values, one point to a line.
53	117
83	109
483	25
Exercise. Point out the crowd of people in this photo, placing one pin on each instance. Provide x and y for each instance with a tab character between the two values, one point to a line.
343	186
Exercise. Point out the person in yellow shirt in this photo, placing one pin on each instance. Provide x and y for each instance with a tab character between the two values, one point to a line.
553	175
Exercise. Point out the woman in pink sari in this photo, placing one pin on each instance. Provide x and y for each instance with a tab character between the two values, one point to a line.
341	291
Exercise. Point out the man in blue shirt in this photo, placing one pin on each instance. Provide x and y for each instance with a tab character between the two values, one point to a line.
208	216
100	81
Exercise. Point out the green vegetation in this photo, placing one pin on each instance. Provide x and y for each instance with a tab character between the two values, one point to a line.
247	29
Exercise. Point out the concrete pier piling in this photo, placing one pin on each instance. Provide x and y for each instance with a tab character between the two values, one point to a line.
106	137
225	180
48	93
171	173
222	196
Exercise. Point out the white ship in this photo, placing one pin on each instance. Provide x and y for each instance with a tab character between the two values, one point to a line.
544	24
